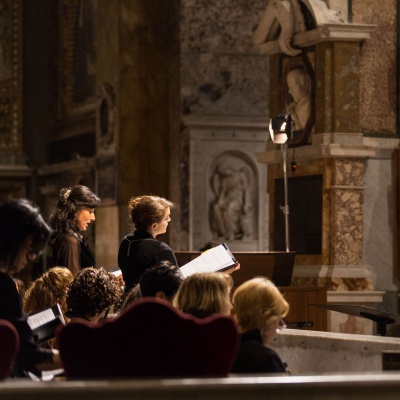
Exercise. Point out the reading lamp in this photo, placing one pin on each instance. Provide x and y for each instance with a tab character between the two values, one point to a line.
280	129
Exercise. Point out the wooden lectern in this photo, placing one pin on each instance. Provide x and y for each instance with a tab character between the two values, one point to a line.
278	266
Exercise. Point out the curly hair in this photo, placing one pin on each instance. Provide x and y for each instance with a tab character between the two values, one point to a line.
47	290
147	210
92	292
204	294
256	302
71	200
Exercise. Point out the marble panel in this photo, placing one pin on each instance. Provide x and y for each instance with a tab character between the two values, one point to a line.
347	199
334	277
378	65
219	75
219	26
337	87
217	38
323	352
379	217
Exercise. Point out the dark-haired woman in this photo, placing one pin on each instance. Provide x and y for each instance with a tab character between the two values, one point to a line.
74	212
140	250
91	294
23	235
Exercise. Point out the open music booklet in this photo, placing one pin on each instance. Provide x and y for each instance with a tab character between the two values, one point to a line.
217	258
44	323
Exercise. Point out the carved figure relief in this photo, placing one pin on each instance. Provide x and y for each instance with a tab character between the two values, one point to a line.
297	86
231	212
299	103
281	20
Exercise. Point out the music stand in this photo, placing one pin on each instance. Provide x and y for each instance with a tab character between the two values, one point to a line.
382	318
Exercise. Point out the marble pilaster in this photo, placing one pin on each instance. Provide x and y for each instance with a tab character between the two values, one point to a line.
335	150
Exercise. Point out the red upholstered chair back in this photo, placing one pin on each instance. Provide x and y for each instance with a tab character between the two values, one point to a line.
151	339
9	347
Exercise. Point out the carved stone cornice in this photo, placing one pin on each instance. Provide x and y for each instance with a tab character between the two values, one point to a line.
334	32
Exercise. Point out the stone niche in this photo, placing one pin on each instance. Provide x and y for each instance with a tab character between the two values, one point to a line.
228	200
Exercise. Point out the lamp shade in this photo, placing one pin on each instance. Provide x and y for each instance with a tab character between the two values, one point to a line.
280	127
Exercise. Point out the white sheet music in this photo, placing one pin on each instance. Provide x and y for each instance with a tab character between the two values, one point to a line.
212	260
43	317
40	318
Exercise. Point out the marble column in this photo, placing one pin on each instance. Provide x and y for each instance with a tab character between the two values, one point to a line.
337	151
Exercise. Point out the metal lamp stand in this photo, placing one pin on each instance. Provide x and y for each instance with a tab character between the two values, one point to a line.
285	207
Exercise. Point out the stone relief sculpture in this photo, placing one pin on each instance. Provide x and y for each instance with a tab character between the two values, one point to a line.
297	97
232	211
281	20
299	90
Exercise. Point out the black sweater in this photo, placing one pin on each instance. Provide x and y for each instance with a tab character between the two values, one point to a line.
254	357
138	252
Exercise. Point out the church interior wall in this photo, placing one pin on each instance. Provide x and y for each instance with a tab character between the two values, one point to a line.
222	75
214	71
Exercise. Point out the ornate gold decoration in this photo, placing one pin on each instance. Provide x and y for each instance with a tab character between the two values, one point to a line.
10	75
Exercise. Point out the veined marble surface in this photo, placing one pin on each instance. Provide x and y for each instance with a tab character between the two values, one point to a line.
325	352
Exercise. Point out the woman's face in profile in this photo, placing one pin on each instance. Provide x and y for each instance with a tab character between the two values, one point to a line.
24	255
84	217
161	227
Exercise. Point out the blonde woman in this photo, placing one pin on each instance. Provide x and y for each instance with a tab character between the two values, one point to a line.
259	309
204	294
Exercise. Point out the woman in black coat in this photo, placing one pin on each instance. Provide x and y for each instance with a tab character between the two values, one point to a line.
74	211
140	250
23	235
259	309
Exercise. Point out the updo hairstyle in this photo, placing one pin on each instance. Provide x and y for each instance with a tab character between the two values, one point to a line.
146	210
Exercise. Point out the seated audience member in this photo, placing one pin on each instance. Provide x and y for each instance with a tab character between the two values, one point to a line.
258	307
23	235
21	287
130	297
46	291
162	280
92	293
204	294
